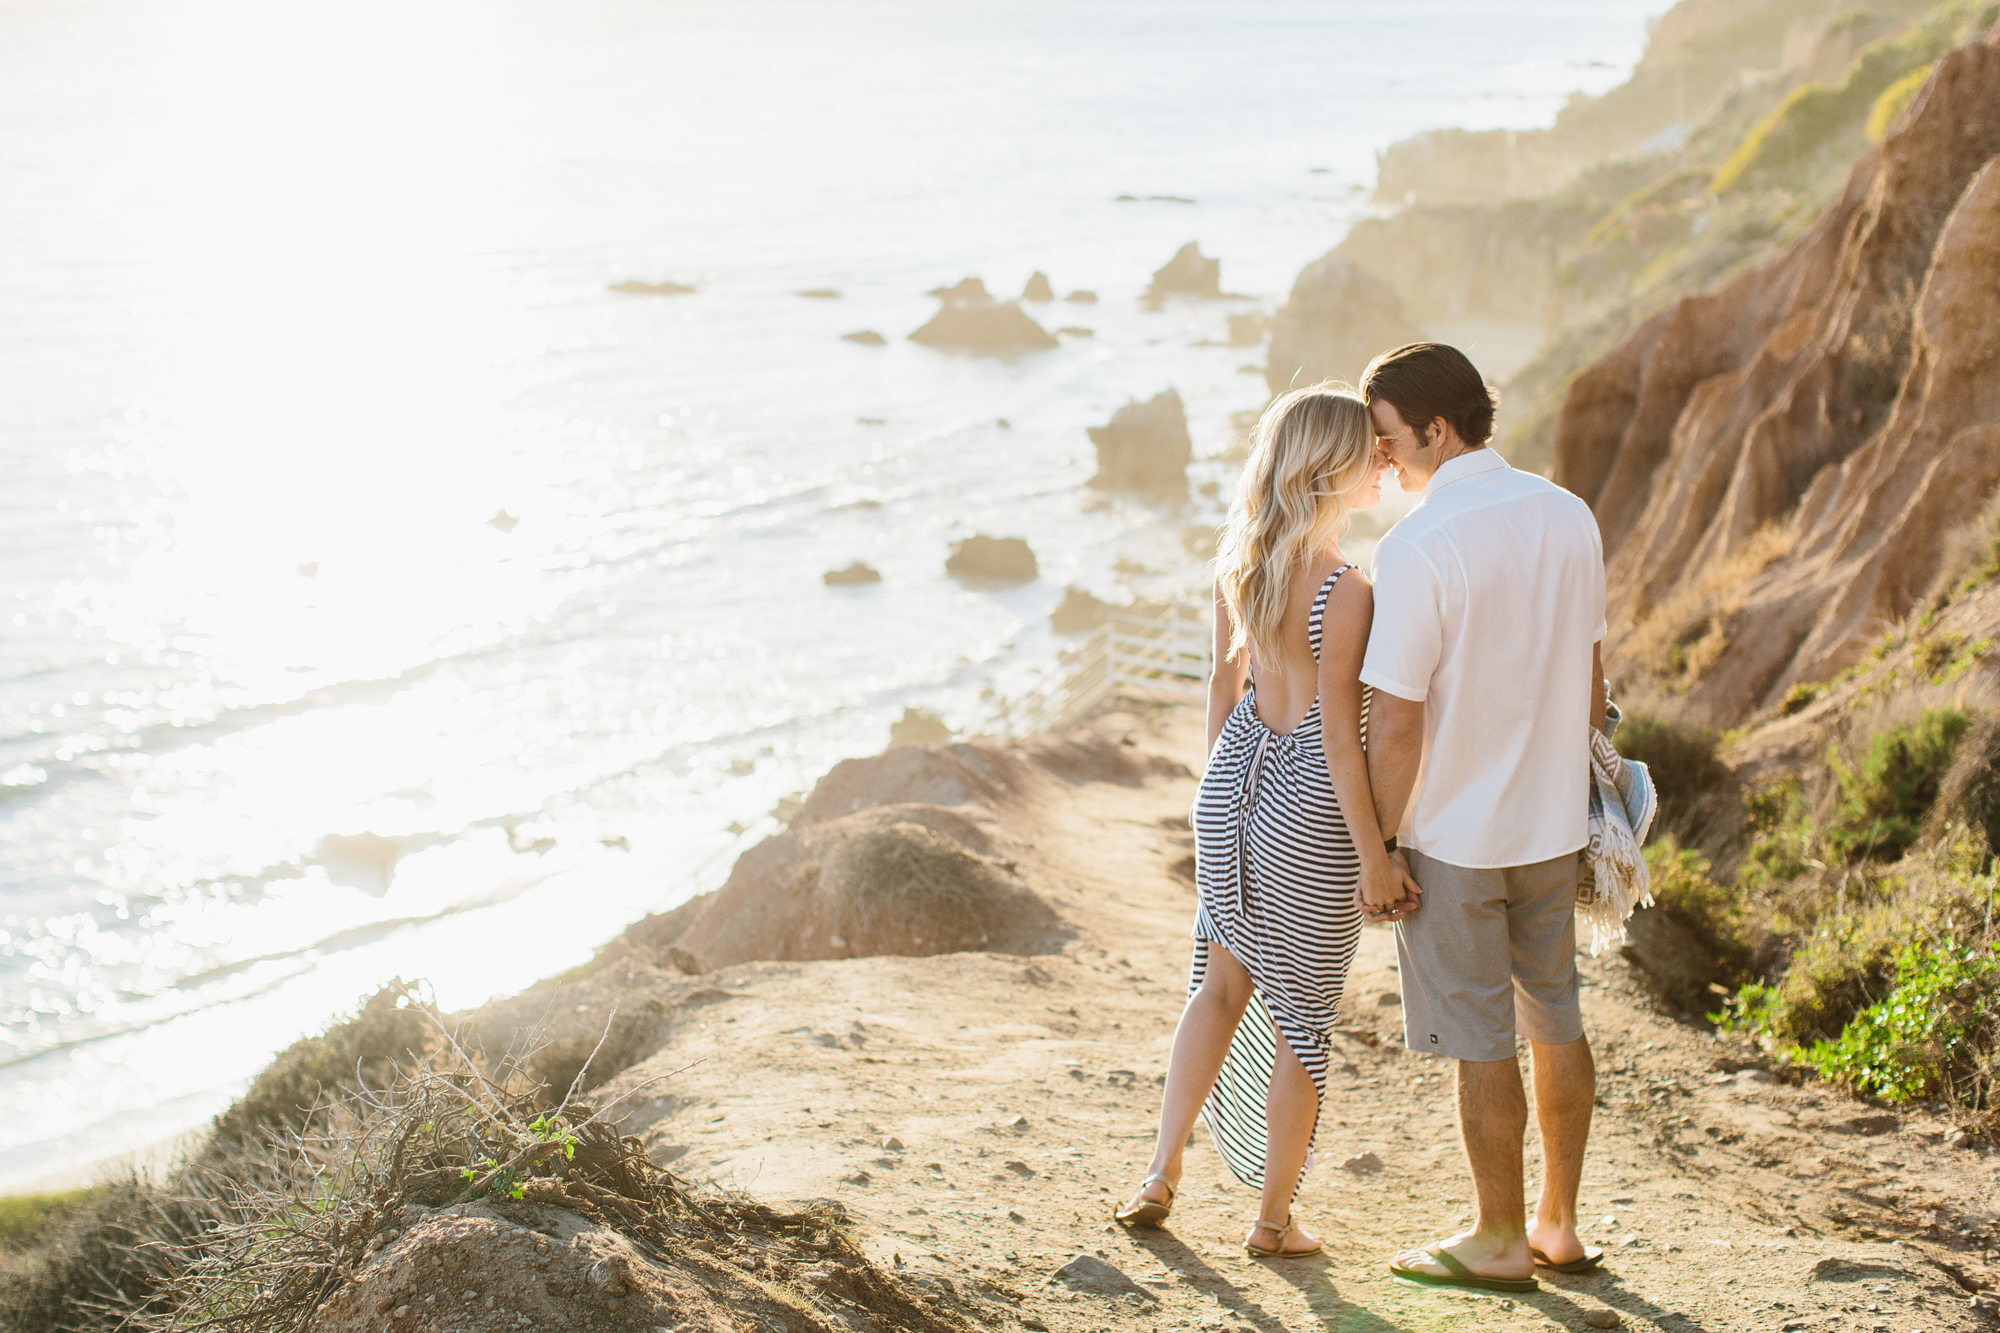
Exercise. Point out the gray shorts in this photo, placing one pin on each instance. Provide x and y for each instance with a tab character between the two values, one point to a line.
1486	949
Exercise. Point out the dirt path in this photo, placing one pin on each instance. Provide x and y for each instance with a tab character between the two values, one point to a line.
980	1114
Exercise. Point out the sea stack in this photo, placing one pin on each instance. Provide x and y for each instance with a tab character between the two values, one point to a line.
1338	317
1145	448
984	559
1189	273
971	319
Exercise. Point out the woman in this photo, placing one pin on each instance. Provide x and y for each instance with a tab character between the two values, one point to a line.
1284	821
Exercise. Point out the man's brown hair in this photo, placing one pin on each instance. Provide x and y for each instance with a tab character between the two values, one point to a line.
1426	381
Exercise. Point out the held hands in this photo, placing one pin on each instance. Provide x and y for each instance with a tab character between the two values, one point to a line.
1387	893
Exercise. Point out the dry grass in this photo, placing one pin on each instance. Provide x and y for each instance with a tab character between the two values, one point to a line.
1971	557
258	1230
1687	631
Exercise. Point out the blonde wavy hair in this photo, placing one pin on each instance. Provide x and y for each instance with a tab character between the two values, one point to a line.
1310	451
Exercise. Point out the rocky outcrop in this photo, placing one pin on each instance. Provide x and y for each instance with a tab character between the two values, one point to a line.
1248	330
1145	448
971	319
1338	316
983	559
853	575
1038	288
919	726
634	287
866	337
1189	273
897	879
1775	464
1449	262
1081	611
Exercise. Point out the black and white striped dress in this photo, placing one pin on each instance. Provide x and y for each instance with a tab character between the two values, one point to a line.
1276	872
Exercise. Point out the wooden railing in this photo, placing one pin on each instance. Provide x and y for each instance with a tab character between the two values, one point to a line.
1166	655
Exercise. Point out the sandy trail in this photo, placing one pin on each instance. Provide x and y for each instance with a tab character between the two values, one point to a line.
979	1115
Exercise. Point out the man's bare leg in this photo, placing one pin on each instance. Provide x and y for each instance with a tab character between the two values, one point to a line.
1565	1091
1493	1118
1201	1044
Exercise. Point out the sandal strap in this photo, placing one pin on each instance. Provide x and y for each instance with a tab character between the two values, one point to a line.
1161	1177
1449	1260
1283	1231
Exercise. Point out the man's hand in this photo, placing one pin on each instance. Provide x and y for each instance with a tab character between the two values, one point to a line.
1389	894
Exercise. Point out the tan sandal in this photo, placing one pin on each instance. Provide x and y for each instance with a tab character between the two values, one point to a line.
1143	1212
1278	1251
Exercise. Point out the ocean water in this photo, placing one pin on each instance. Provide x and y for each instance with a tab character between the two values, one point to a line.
381	595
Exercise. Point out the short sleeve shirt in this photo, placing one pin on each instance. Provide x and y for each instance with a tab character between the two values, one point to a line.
1489	596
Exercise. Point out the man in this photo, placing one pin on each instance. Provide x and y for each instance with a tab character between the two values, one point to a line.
1489	609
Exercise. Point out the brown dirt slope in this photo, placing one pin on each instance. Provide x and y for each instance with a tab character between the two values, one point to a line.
977	1114
1796	445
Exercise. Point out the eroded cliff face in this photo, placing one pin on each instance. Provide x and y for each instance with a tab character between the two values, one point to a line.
1695	57
1775	464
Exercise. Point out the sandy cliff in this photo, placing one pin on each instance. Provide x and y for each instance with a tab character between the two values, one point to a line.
1775	463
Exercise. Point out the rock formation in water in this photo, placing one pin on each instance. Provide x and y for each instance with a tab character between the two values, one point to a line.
1776	464
965	289
983	559
1082	297
1248	330
1081	611
636	288
1189	273
919	726
971	319
1145	448
1337	318
866	337
855	574
1038	288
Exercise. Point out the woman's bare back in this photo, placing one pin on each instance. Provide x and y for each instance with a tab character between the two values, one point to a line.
1286	689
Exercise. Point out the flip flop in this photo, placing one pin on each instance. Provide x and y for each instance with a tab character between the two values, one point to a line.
1461	1276
1592	1257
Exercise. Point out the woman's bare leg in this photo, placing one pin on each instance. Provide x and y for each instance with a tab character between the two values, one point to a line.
1290	1111
1201	1044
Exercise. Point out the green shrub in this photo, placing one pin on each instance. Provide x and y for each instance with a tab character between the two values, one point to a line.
1682	761
1878	811
24	1216
1799	698
1894	99
1684	888
1970	792
1884	798
1784	841
1913	1041
1836	971
1814	113
1808	116
1753	1010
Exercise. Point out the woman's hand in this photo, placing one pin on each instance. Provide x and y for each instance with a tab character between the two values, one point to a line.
1387	893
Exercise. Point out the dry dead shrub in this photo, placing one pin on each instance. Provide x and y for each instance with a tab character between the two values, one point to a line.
282	1228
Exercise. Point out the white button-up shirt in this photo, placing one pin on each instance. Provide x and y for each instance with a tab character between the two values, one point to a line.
1488	598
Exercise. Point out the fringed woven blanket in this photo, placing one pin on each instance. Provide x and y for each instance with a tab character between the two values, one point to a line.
1612	881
